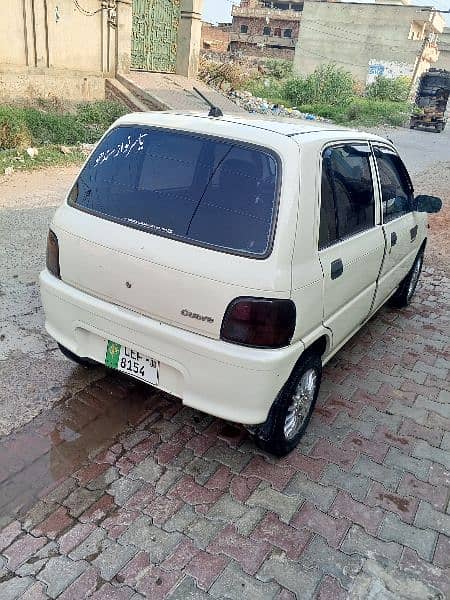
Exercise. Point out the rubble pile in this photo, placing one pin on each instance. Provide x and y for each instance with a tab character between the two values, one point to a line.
253	104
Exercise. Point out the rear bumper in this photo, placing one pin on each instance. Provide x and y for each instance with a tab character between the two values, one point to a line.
225	380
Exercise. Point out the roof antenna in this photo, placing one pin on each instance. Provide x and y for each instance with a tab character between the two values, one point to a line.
215	110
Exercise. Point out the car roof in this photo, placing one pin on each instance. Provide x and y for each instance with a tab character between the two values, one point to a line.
288	127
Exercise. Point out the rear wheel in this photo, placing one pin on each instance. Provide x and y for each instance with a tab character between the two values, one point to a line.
292	410
405	292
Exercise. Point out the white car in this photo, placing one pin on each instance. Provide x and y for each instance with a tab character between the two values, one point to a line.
226	260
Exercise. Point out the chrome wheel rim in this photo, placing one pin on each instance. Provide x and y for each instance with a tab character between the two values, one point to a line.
300	406
414	278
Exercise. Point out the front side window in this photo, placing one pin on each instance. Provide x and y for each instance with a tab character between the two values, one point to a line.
347	194
396	188
201	190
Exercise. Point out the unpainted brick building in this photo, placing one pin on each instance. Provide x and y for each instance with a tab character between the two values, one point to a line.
266	27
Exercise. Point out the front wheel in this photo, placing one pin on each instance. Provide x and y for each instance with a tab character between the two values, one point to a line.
291	412
405	292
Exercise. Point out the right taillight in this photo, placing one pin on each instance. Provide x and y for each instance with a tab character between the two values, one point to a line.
259	322
53	254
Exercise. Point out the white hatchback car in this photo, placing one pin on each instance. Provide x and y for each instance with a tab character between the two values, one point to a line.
225	260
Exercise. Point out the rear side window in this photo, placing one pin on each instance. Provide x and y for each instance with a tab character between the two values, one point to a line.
347	194
396	188
201	190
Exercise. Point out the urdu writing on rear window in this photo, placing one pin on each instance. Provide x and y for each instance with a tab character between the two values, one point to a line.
201	190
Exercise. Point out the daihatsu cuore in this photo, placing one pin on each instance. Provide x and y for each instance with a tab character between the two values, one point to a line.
226	260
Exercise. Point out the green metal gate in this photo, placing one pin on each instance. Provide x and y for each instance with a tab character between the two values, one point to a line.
155	30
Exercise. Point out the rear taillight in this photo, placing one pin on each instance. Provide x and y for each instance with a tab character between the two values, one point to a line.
53	254
259	322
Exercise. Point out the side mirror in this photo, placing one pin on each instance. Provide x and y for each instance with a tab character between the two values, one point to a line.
428	204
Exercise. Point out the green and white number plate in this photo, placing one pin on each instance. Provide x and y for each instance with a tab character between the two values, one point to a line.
132	363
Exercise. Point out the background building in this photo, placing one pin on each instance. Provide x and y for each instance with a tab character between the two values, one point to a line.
444	50
263	27
66	48
216	38
368	39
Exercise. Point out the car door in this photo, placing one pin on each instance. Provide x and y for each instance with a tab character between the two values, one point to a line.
400	223
351	240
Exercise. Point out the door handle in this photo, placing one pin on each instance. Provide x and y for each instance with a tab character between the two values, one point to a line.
413	232
393	238
337	268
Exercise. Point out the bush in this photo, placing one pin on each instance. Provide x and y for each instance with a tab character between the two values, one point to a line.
278	69
395	90
22	127
14	132
328	84
222	75
364	112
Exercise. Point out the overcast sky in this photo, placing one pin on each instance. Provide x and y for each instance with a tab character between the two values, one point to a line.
219	11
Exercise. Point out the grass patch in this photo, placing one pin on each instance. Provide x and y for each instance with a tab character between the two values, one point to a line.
49	156
364	112
45	129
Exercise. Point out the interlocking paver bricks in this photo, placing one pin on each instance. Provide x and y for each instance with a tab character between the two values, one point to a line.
332	562
399	460
277	475
442	553
59	573
346	507
248	553
112	559
91	546
284	505
181	505
285	537
385	475
9	534
331	590
13	588
424	450
420	540
428	517
83	587
357	541
234	584
355	485
331	528
301	582
205	568
145	536
23	549
301	487
435	495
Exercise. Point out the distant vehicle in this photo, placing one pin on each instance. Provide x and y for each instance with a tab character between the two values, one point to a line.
431	100
226	260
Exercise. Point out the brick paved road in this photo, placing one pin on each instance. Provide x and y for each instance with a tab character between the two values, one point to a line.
119	492
183	506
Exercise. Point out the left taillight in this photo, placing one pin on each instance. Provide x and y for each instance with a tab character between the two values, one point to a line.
53	254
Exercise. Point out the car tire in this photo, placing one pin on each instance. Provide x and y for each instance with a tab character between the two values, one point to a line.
407	288
291	412
84	362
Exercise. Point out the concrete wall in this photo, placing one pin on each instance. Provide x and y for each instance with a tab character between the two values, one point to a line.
359	38
189	38
50	48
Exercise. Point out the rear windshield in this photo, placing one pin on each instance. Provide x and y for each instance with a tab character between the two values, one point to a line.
198	189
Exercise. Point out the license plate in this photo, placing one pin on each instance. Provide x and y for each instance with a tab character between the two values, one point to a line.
132	363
